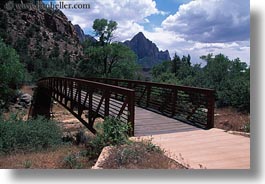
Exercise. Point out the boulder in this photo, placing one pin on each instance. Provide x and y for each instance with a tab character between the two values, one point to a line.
25	100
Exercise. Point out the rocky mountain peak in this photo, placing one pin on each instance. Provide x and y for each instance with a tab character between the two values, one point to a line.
140	36
147	51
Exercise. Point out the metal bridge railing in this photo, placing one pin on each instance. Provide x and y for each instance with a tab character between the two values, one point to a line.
90	99
188	104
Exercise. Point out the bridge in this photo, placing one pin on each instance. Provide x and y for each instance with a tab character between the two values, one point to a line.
179	119
149	108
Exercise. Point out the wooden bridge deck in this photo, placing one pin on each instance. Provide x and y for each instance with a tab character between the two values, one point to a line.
150	123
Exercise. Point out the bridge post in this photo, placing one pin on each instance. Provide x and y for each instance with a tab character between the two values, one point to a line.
107	101
174	99
210	113
90	108
41	103
131	110
148	95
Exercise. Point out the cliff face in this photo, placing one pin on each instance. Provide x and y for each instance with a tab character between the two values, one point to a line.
38	33
147	52
82	36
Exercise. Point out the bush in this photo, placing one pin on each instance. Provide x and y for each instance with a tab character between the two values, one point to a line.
110	133
71	162
246	128
11	73
31	135
136	152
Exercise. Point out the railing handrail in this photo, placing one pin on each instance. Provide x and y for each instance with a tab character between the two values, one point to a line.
80	95
172	99
93	83
155	84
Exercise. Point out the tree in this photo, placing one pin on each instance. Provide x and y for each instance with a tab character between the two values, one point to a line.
165	67
112	60
230	79
11	73
176	64
122	62
104	30
106	58
186	60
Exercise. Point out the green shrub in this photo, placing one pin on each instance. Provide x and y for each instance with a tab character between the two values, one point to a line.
27	164
71	162
113	131
135	152
11	73
110	133
31	135
246	128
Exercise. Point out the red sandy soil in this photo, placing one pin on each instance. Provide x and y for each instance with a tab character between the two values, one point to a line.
230	119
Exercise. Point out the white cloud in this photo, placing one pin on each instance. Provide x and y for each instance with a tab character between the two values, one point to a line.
199	45
231	49
211	20
127	29
129	14
167	40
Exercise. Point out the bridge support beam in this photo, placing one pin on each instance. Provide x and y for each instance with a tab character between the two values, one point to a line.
41	103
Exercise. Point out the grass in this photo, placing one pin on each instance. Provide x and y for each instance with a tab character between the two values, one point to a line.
27	164
47	159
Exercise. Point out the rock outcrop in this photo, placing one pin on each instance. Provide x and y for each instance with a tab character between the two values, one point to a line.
36	33
82	36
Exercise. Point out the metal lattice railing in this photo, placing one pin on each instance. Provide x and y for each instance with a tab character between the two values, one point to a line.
188	104
90	99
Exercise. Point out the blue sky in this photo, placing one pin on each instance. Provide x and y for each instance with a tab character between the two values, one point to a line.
195	27
167	6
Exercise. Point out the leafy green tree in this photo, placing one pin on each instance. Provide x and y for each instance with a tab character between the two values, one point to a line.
106	58
176	62
230	79
165	67
112	60
216	70
181	68
104	30
186	60
11	73
167	78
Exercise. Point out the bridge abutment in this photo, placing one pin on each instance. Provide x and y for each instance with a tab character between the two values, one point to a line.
41	103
